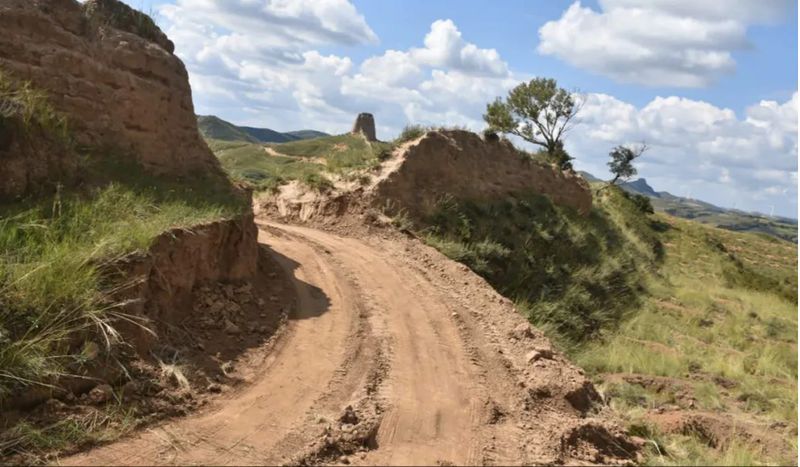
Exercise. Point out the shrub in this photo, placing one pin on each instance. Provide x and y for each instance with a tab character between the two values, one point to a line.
642	202
490	136
318	182
410	132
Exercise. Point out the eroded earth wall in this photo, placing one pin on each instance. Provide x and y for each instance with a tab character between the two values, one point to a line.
461	164
114	75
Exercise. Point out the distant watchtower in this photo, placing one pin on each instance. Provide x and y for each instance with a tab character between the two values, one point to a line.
365	124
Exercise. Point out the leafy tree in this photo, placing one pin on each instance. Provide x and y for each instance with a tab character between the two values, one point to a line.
621	163
539	112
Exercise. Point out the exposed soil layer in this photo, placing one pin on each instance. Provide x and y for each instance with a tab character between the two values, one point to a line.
393	355
421	173
461	165
206	355
112	72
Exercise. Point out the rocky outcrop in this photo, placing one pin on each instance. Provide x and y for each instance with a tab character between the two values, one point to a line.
365	125
112	73
460	164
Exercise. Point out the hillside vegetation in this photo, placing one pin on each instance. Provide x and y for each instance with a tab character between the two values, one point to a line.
212	127
573	275
55	244
707	213
690	331
314	162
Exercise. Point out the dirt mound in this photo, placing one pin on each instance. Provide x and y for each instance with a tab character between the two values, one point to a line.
163	282
720	430
112	73
420	174
460	164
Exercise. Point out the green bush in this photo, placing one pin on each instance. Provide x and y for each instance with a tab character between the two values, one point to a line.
642	202
409	133
317	182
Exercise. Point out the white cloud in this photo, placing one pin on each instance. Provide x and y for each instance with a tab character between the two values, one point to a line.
262	75
444	48
275	23
251	50
685	43
699	148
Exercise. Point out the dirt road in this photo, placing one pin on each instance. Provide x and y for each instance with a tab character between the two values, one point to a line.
395	356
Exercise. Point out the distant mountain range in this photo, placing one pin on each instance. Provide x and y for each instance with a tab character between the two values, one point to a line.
707	213
216	128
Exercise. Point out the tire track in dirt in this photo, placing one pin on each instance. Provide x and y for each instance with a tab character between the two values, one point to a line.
253	426
433	398
394	355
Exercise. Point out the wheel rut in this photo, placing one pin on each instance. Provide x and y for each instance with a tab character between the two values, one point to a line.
393	355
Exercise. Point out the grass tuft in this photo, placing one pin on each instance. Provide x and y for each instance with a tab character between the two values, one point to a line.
53	249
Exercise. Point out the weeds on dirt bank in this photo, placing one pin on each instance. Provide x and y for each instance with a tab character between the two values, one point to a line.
574	276
25	111
52	246
704	318
51	252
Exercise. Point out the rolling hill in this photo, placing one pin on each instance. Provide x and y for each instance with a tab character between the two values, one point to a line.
212	127
707	213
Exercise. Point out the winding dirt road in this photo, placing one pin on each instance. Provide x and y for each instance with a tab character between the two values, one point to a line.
394	356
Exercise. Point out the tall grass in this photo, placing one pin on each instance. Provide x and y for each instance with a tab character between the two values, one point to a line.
572	275
26	112
52	251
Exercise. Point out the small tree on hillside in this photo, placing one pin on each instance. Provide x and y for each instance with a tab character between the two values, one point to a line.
539	112
621	163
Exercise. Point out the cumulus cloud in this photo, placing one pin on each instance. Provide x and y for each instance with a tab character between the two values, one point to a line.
274	23
698	148
684	43
265	72
250	53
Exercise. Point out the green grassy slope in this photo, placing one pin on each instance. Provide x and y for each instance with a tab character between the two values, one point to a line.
310	161
53	245
215	128
212	127
575	276
251	164
711	312
720	318
341	153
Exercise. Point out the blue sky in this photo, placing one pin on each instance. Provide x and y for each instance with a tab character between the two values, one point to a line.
711	86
